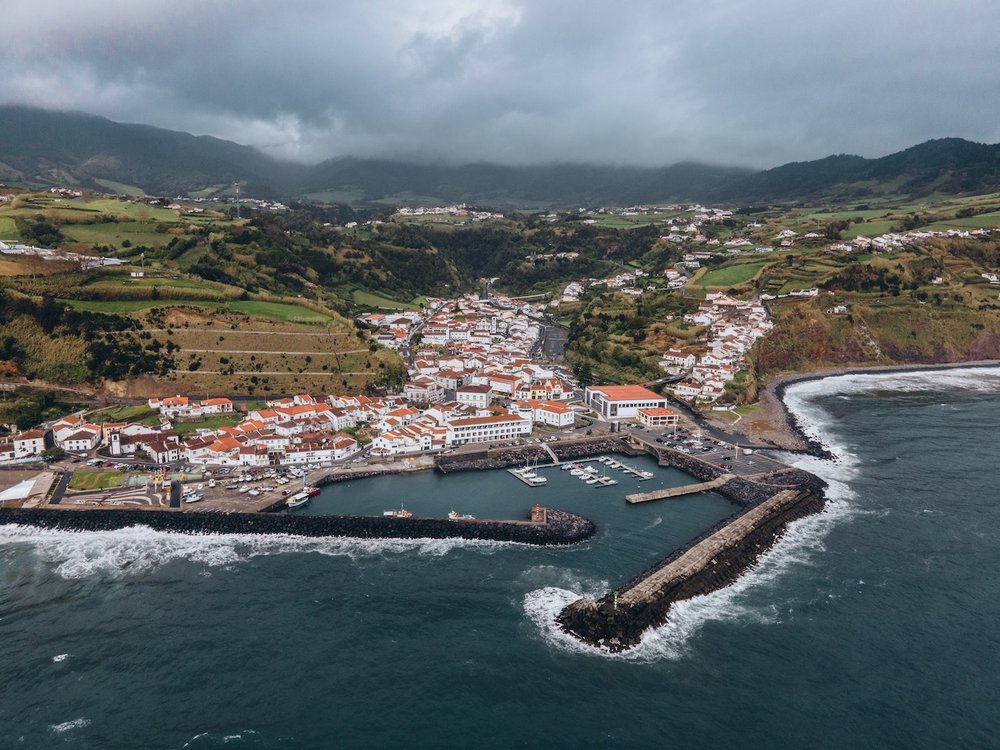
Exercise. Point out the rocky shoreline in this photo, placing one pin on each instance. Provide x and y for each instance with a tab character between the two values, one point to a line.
778	427
560	528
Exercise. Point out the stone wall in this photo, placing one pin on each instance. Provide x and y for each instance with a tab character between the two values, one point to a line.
560	528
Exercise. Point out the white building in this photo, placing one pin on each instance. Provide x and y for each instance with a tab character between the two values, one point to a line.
487	429
30	443
658	417
480	396
621	401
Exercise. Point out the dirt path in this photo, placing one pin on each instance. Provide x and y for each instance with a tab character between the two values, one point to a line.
181	329
267	351
327	373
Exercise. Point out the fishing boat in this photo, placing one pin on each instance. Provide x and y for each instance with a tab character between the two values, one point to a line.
297	500
401	513
454	515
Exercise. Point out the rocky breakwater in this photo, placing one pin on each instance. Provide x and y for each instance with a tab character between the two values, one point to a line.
504	458
487	460
559	528
593	447
714	560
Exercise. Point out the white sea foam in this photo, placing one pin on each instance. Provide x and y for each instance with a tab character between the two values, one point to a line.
67	726
138	550
800	544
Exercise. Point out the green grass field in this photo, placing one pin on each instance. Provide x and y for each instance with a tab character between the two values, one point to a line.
115	233
8	229
280	311
868	229
982	221
738	273
211	423
95	480
141	414
386	303
121	187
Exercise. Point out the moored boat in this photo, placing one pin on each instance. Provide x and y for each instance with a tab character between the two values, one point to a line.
401	513
297	500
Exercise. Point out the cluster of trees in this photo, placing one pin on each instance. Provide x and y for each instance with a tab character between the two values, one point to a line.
39	231
112	351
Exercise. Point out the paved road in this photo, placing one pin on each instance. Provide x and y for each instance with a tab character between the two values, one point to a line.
60	490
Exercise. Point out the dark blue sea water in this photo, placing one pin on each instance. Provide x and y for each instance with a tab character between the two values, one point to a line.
873	625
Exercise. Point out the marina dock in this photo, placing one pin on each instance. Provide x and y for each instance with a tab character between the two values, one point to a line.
531	479
686	489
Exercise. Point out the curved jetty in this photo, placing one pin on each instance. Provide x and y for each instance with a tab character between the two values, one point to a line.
769	502
554	527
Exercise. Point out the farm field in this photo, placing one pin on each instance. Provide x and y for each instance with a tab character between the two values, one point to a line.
731	275
234	353
8	229
371	299
279	311
114	233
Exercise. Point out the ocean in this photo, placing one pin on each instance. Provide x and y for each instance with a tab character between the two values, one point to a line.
875	624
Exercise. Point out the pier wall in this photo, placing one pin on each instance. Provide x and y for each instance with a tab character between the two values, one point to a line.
560	527
712	561
505	458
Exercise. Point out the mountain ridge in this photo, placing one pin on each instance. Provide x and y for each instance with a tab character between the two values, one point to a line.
43	148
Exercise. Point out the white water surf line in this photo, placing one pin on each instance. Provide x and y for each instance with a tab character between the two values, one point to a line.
803	539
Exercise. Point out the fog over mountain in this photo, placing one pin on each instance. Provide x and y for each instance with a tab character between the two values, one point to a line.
42	148
518	82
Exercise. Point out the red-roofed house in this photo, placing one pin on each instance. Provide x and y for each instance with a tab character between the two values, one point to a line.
654	416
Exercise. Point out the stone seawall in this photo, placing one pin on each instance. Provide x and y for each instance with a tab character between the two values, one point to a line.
560	527
713	561
505	458
708	563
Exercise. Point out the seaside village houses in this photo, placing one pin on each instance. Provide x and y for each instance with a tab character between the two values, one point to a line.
731	328
472	378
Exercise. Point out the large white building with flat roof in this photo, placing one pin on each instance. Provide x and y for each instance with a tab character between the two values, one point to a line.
487	429
622	401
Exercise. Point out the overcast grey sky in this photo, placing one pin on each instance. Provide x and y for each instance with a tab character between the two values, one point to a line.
750	82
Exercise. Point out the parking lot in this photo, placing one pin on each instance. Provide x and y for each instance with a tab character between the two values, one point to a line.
710	450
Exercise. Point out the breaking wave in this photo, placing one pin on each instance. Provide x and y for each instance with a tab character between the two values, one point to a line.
67	726
800	544
139	549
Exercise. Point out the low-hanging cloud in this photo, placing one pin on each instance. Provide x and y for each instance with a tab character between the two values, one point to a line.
521	81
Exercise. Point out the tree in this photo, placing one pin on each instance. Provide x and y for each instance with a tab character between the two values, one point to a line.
583	373
53	454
